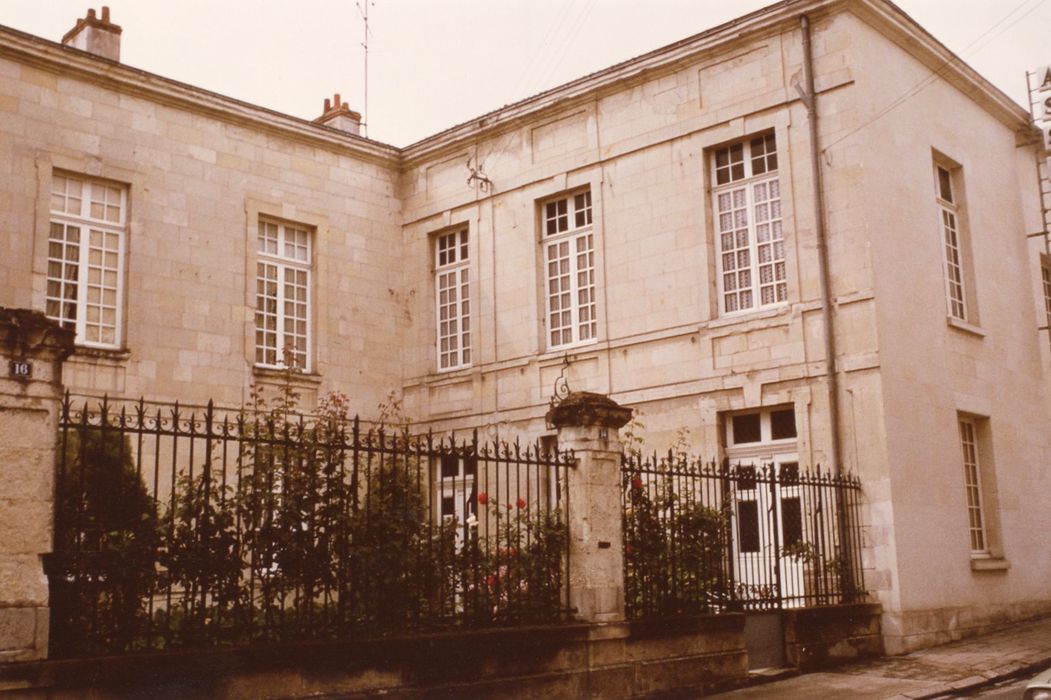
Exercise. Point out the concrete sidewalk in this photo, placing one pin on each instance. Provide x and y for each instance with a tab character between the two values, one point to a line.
943	671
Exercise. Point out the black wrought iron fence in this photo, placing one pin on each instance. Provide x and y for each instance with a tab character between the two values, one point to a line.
708	537
189	529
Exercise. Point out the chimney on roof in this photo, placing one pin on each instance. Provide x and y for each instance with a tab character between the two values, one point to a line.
98	36
340	116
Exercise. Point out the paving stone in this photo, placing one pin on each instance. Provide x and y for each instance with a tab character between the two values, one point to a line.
927	673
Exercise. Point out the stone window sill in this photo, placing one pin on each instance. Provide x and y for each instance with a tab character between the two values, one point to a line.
280	376
752	315
989	564
110	356
965	327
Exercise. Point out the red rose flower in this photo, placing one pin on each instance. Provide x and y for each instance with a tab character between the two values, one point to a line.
636	483
521	503
483	498
629	550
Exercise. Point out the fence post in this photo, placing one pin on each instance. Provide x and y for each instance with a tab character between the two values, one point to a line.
587	424
32	350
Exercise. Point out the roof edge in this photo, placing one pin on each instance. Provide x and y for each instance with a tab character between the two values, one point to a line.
911	36
887	14
883	14
68	61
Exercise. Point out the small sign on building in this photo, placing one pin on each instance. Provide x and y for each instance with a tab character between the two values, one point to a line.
1040	101
20	369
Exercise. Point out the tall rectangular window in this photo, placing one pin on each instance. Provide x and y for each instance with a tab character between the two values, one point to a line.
972	476
452	292
952	249
749	233
282	307
85	260
569	257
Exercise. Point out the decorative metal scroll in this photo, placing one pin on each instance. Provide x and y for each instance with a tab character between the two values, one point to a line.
560	390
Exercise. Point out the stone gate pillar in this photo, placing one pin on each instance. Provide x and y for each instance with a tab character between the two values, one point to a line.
587	424
32	349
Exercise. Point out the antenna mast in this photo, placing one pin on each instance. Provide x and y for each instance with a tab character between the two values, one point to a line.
363	9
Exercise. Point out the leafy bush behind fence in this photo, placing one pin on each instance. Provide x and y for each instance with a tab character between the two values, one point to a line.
705	537
188	530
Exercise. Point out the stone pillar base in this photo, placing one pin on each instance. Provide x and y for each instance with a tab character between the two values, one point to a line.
23	633
32	349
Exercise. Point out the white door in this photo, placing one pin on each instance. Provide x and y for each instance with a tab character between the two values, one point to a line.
767	520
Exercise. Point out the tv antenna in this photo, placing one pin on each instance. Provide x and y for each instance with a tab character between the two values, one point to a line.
363	10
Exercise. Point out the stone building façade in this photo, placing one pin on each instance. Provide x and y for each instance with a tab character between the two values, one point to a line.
648	232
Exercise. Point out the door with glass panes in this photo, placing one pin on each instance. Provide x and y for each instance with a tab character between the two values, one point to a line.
767	520
457	495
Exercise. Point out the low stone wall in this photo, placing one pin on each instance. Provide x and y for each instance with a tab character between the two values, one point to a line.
817	638
908	631
618	660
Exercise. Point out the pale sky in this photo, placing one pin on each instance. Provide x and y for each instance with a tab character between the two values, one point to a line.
436	63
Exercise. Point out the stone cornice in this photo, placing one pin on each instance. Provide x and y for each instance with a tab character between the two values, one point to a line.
68	61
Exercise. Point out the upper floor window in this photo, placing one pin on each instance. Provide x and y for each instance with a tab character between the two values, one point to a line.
452	293
569	258
85	260
952	245
282	308
749	235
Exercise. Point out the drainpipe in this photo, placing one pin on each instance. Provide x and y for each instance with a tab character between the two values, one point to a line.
810	100
809	96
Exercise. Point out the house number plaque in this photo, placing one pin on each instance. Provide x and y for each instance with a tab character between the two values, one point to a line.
20	369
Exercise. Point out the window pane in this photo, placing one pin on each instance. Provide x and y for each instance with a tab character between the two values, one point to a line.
945	185
746	428
450	465
783	424
748	526
791	522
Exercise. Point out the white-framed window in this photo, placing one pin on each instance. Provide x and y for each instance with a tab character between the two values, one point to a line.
282	307
749	228
972	477
569	260
457	494
452	294
85	259
952	248
760	429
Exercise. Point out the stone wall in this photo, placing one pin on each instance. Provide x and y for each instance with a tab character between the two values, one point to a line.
578	661
817	638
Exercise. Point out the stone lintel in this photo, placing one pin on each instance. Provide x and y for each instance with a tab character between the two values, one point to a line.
584	408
